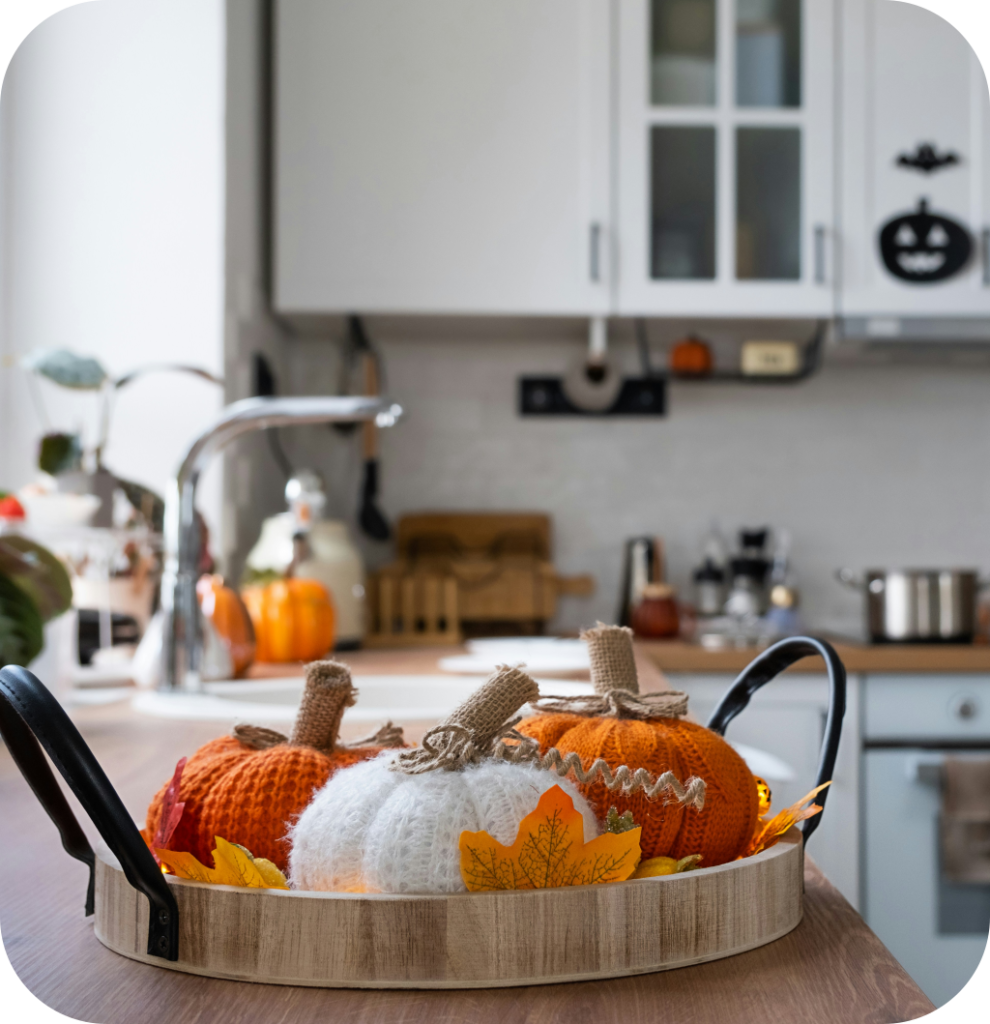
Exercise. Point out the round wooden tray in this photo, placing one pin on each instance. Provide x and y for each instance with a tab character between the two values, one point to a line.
470	940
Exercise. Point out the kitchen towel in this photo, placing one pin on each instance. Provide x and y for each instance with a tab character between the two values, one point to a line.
965	821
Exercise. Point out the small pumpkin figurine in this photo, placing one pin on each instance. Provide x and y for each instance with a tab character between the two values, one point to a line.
248	788
228	616
393	824
649	732
294	620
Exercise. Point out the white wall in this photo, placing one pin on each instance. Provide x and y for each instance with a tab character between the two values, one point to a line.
112	177
868	465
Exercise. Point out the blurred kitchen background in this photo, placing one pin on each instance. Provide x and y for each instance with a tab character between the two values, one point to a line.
660	271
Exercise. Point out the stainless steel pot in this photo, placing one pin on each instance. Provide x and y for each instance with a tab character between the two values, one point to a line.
918	604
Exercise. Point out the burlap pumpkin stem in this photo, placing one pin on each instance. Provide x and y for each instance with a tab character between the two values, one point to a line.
327	695
470	733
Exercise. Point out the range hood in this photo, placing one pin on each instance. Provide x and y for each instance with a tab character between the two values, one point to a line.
905	329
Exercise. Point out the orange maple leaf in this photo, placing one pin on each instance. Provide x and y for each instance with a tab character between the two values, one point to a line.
768	831
549	851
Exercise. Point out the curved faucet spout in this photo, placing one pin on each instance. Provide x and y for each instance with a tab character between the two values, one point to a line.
181	635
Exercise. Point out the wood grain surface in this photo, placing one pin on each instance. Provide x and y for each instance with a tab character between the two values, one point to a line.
470	940
830	968
679	656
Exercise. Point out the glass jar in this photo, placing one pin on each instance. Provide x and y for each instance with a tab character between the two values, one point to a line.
656	617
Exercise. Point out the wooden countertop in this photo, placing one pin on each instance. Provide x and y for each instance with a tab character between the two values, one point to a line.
832	968
679	656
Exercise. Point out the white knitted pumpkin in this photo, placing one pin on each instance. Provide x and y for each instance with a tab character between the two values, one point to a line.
393	824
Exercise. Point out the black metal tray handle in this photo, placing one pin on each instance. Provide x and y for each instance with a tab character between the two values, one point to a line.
768	666
31	718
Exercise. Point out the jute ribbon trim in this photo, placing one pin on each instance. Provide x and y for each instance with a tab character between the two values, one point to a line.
691	794
617	704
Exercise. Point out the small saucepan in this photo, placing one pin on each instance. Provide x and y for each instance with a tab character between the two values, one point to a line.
918	605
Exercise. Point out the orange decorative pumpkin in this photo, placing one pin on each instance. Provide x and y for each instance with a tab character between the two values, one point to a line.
293	620
648	732
225	610
250	787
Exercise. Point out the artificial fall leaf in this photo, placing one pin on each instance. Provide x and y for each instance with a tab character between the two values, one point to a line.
234	866
667	866
769	831
549	851
171	813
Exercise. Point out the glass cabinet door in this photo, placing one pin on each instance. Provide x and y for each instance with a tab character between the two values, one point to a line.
725	129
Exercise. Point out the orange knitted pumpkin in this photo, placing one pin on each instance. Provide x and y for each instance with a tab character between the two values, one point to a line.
646	733
226	611
248	788
293	620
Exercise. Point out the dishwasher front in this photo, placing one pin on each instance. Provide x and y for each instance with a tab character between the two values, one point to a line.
935	927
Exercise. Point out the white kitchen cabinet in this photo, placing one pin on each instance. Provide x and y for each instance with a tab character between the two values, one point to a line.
786	718
725	197
909	79
442	156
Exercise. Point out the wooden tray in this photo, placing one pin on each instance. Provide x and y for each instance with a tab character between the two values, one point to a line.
471	940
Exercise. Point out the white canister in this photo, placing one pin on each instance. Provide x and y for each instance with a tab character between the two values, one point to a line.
335	562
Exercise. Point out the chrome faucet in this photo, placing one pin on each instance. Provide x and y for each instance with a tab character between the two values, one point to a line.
182	641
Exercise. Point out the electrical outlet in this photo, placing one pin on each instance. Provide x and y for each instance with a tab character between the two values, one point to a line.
639	396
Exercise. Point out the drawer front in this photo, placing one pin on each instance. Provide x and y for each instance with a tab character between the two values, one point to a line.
954	707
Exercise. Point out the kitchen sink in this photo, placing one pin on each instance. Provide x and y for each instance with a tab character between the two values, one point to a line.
401	698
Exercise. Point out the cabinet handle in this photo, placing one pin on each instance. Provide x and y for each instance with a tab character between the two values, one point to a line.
985	255
819	254
595	264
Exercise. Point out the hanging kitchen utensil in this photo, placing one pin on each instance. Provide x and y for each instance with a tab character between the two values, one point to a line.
373	523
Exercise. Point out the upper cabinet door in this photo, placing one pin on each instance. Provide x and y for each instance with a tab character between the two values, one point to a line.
726	176
442	156
915	115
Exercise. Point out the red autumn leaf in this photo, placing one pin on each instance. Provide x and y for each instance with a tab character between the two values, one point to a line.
171	814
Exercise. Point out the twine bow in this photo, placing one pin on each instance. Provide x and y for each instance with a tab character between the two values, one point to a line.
617	704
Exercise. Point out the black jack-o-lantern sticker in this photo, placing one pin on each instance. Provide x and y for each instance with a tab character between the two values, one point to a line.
924	247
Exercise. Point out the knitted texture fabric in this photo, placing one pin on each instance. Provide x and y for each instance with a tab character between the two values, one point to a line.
371	829
610	651
250	792
719	832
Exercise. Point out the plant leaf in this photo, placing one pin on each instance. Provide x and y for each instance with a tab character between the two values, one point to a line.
667	866
769	831
549	851
38	573
22	631
59	453
66	368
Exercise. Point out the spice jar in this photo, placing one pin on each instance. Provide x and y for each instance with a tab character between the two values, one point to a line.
655	617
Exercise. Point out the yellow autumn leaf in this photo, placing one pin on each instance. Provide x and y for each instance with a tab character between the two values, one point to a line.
768	831
549	851
667	866
273	878
234	866
185	865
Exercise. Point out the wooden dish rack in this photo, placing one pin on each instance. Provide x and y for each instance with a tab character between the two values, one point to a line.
460	572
